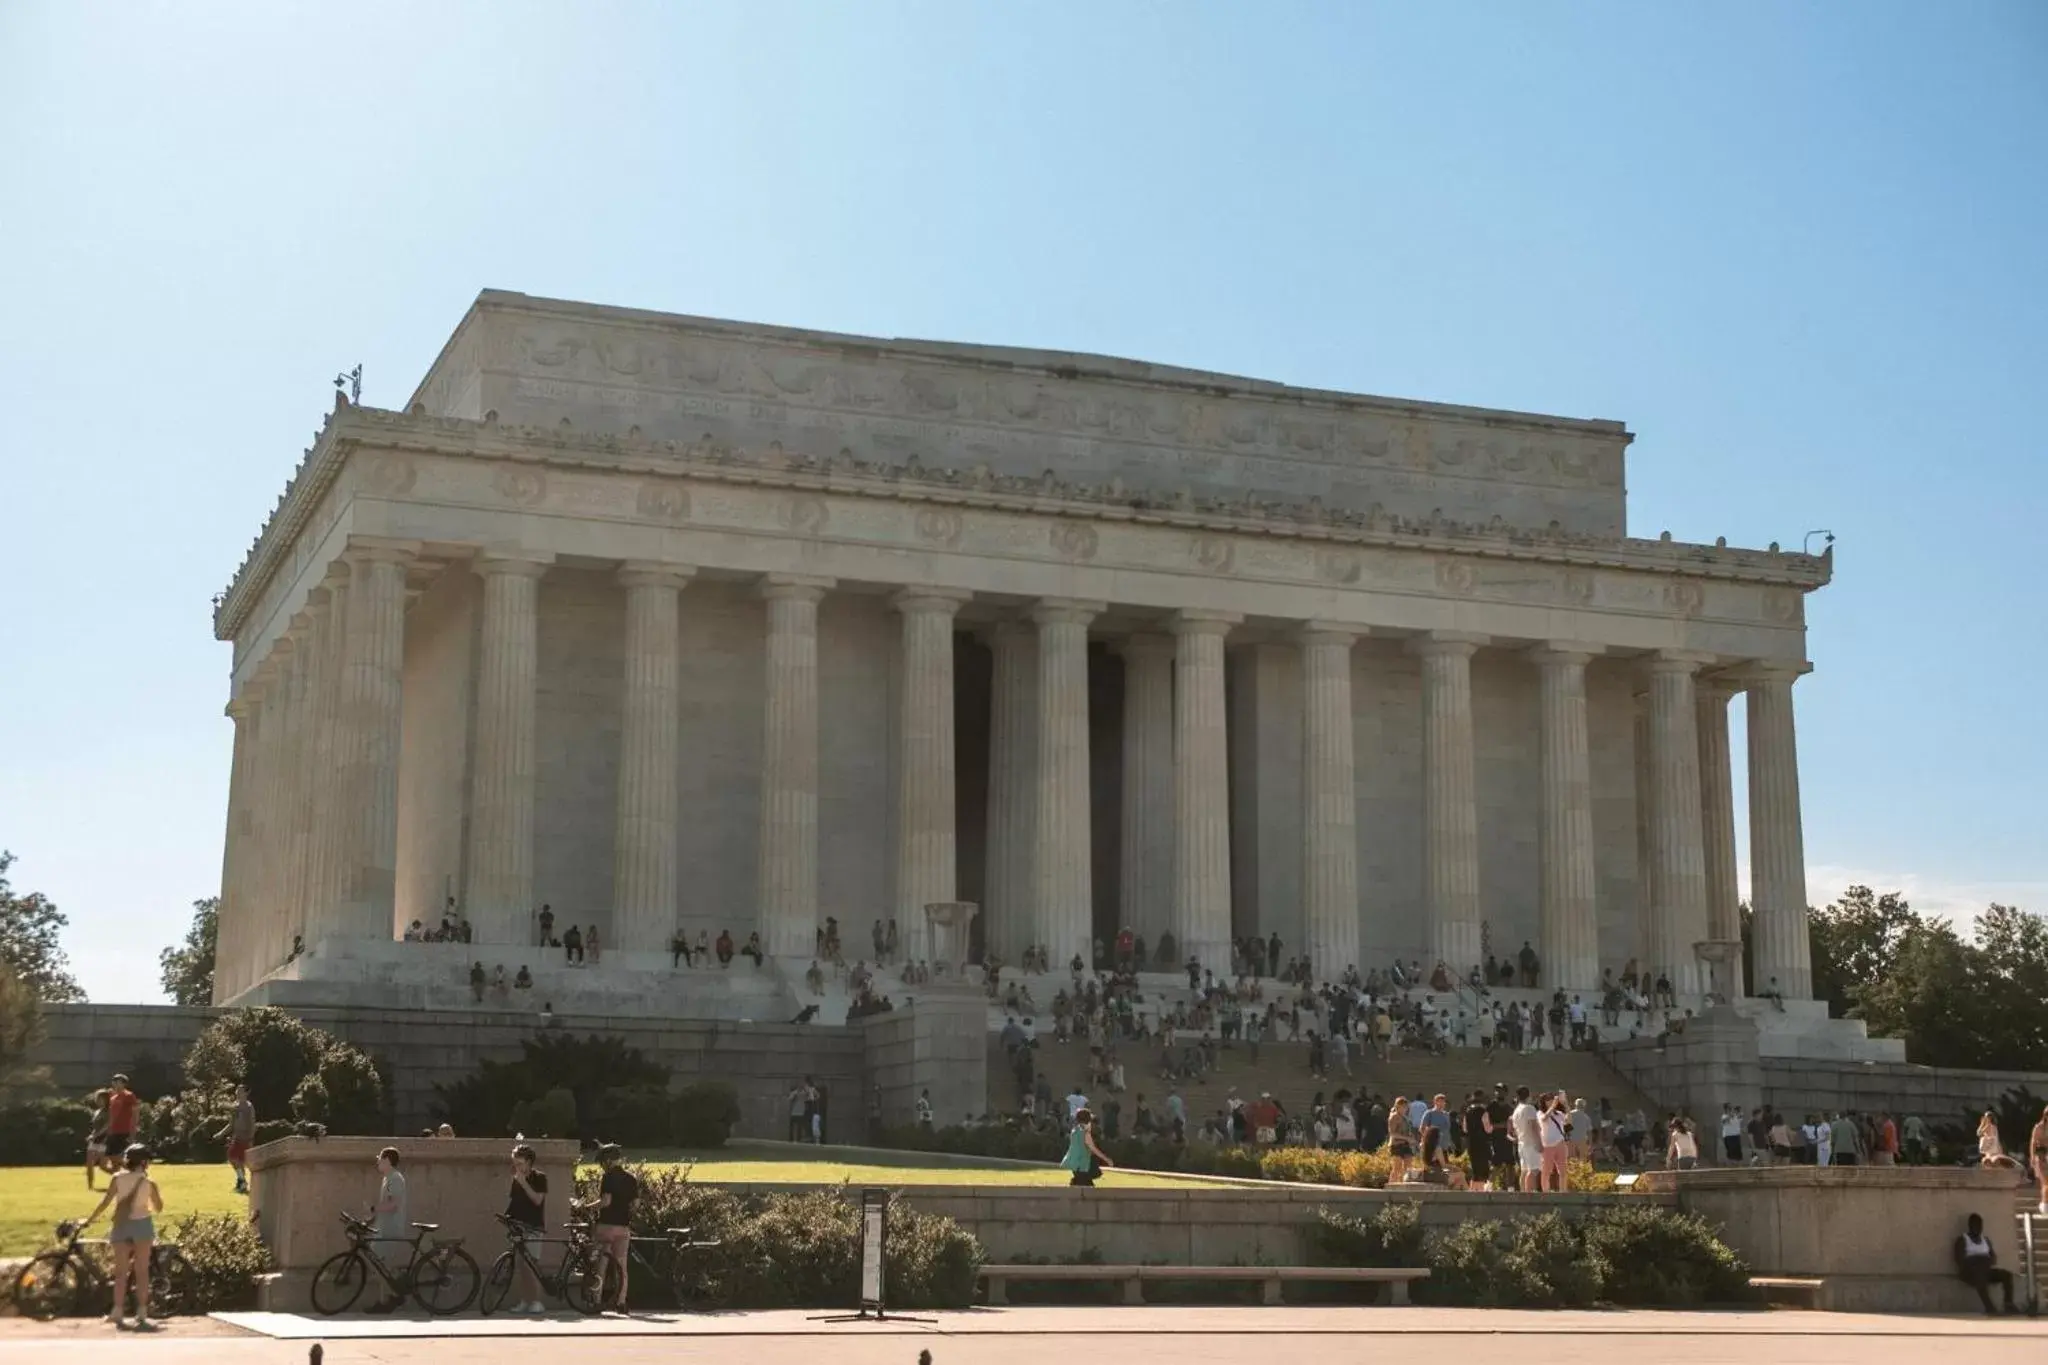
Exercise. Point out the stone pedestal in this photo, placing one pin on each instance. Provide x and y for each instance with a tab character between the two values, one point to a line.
298	1187
949	927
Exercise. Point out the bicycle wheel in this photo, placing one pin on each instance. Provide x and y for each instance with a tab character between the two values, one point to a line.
52	1284
340	1282
588	1281
173	1287
445	1280
498	1283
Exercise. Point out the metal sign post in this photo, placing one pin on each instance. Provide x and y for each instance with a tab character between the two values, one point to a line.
874	1238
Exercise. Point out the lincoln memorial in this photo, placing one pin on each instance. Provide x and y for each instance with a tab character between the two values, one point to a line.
681	625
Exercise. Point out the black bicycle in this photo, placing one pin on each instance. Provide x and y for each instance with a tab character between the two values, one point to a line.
72	1279
677	1263
575	1281
441	1278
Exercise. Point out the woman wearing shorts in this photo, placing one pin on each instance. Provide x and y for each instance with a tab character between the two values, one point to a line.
1400	1137
136	1202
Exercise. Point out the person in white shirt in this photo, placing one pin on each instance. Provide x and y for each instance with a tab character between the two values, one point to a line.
1683	1152
1417	1107
1583	1124
1076	1102
1523	1122
1553	1131
1731	1134
1823	1143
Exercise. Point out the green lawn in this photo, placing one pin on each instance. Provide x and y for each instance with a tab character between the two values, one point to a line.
33	1199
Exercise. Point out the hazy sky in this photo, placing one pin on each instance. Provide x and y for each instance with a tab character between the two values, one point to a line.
1798	248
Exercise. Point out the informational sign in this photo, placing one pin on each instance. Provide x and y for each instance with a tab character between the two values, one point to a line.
874	1228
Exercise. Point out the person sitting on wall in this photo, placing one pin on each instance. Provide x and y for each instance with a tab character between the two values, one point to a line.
1978	1266
572	944
498	983
753	949
725	947
1773	994
678	948
523	981
413	933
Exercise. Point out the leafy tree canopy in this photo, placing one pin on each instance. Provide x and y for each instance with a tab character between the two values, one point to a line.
30	930
21	1028
187	968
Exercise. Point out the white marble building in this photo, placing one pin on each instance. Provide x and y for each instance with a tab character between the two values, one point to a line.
682	624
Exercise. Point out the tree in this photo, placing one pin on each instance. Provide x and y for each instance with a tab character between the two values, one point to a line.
21	1028
1854	942
29	928
187	968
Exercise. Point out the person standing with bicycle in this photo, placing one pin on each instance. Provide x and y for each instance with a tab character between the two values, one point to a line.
527	1206
613	1226
137	1201
388	1215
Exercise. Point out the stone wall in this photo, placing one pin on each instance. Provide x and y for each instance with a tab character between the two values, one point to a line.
88	1043
936	1046
1937	1094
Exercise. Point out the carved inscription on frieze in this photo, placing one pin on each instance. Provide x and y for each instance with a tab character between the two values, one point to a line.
526	486
940	525
663	499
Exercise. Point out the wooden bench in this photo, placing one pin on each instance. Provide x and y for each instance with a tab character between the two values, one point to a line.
1269	1277
1792	1289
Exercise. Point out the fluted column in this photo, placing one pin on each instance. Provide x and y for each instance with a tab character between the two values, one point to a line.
645	881
294	790
1571	923
275	828
500	854
789	768
1012	789
1450	811
367	739
319	692
1329	801
1777	843
1148	791
1062	854
1678	912
1717	821
264	694
323	896
235	851
927	858
1201	786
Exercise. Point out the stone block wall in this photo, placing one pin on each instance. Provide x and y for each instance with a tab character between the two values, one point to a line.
938	1044
1937	1094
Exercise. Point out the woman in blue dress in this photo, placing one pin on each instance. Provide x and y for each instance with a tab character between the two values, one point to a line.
1083	1157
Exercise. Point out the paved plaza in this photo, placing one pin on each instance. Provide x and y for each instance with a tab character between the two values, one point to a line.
1019	1336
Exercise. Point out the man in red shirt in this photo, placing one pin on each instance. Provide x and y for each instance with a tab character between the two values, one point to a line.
1887	1153
122	1104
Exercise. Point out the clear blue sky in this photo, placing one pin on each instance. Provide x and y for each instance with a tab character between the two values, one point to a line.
1798	248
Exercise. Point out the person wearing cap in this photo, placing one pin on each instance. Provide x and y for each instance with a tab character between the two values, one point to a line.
616	1191
137	1201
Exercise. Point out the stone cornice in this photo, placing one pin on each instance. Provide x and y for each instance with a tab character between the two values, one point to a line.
351	427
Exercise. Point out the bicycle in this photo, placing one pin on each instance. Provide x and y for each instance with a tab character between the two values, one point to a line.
67	1279
574	1281
442	1280
681	1265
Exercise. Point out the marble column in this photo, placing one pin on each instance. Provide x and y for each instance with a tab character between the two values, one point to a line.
323	895
1678	910
1201	787
1777	844
234	897
1717	821
1329	801
367	740
1147	871
645	858
788	879
927	856
1063	885
274	829
1450	810
294	790
1012	790
1646	866
499	902
319	696
1571	923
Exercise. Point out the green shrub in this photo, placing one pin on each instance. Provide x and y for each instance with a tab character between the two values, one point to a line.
44	1132
226	1256
1650	1254
932	1260
636	1115
1547	1265
483	1103
270	1130
1391	1237
702	1115
265	1048
553	1115
344	1093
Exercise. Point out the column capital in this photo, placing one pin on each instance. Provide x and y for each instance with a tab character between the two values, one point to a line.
791	587
1685	661
1564	653
1758	672
1203	622
239	708
1007	628
513	563
650	573
1065	611
301	623
1331	633
380	550
1448	644
1145	644
938	601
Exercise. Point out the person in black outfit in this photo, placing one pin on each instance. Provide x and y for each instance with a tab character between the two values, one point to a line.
1478	1139
1978	1264
616	1191
572	944
526	1205
547	926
